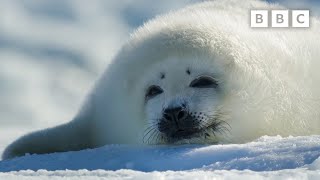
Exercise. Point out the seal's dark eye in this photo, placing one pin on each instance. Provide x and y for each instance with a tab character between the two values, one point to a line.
153	91
204	82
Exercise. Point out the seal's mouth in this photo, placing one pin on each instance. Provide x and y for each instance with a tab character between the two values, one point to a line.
190	130
187	134
184	134
197	132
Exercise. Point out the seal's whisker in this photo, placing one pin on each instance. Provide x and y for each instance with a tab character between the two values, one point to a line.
145	135
151	135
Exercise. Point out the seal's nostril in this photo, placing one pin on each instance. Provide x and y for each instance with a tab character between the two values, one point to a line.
167	117
181	114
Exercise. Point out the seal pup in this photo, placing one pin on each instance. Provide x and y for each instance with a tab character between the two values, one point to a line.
197	75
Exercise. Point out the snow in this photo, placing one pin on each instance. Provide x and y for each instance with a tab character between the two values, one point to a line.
272	157
183	175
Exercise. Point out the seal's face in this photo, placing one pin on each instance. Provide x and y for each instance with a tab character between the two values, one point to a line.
183	102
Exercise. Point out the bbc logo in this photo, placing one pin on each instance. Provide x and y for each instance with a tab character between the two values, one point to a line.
279	18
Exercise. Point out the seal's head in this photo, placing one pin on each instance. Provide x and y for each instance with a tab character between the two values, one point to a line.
184	101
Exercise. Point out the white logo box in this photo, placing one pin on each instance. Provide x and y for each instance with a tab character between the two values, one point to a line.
279	18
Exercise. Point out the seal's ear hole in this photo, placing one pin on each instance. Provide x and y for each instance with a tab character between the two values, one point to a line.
204	82
162	76
153	91
188	71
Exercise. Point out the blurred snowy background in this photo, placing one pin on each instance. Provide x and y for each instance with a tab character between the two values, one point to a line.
52	51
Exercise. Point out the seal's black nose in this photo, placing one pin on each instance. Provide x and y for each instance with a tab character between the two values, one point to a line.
177	123
175	115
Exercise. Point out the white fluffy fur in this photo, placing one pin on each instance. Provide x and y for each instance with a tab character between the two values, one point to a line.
269	80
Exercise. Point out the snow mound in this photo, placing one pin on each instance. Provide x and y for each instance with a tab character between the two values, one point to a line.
267	157
183	175
264	154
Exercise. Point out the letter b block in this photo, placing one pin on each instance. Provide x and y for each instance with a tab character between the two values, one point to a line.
280	18
259	18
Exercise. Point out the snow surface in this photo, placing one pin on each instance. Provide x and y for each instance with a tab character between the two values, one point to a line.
272	157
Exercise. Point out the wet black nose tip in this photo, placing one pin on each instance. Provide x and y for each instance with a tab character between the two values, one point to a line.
177	123
175	114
